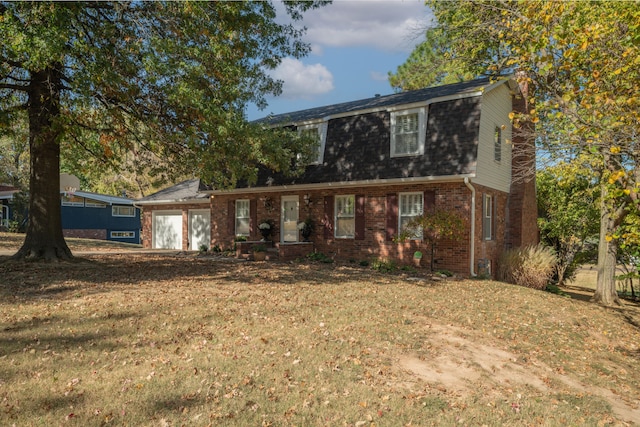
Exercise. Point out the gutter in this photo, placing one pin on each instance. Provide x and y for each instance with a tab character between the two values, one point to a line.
472	252
342	184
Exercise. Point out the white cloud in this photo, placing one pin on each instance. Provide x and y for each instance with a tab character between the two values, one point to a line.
302	81
389	25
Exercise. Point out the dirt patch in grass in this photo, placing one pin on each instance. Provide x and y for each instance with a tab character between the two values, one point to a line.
130	339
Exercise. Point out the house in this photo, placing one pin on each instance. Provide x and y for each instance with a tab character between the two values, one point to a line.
97	216
6	210
382	161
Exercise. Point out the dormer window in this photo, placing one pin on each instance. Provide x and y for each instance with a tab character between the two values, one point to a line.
317	132
408	132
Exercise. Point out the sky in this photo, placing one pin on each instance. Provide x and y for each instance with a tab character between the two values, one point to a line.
354	45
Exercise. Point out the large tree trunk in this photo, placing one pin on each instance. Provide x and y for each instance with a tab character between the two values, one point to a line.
606	293
44	239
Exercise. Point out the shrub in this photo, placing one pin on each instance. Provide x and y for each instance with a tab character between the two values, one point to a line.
384	265
319	256
529	266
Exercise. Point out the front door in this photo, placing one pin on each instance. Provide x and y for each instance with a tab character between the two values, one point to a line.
289	217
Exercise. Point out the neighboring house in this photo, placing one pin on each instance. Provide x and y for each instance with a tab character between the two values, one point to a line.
99	216
382	161
6	213
178	217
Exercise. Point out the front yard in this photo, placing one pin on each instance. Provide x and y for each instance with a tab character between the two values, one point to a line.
135	339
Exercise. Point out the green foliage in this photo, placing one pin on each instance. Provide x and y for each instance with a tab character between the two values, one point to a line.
203	248
434	227
581	63
530	266
319	257
259	248
384	265
159	87
568	213
429	64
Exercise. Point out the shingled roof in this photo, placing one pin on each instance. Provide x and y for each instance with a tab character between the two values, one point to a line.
376	102
191	189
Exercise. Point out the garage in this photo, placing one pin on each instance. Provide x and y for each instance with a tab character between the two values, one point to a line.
167	230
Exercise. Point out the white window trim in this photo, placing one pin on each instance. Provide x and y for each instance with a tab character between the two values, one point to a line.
322	136
114	208
422	131
248	218
487	217
130	234
335	216
413	193
497	144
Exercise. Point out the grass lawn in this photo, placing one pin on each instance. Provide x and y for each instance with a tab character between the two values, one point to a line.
139	339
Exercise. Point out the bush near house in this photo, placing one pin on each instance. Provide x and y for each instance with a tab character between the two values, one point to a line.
529	266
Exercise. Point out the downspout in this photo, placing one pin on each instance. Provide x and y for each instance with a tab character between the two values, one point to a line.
472	249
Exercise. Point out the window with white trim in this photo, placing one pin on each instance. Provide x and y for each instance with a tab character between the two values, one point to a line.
129	211
242	217
487	217
345	217
410	206
123	234
408	132
497	144
317	132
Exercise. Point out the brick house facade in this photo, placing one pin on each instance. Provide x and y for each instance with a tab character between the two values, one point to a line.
382	161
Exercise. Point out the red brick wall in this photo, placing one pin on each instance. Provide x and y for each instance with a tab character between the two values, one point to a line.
452	256
86	234
147	218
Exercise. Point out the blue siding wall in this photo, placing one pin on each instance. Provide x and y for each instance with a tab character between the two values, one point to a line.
90	218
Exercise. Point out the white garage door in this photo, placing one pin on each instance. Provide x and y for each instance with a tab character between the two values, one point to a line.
167	230
199	228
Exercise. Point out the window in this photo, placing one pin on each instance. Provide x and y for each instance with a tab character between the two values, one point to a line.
487	217
410	207
71	200
123	234
497	144
242	217
345	216
94	204
317	132
123	211
408	132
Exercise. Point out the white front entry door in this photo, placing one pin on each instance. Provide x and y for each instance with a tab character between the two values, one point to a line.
199	229
289	217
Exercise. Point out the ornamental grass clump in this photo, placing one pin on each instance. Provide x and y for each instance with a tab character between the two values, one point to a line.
529	266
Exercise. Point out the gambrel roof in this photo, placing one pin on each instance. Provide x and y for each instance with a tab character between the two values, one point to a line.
358	133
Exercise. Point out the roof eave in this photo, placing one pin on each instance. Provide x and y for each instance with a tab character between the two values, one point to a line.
346	184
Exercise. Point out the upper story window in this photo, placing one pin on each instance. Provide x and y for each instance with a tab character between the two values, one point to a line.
408	132
345	216
123	211
410	206
317	132
242	217
497	144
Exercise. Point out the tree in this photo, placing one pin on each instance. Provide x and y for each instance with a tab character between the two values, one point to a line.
434	227
168	78
581	62
568	213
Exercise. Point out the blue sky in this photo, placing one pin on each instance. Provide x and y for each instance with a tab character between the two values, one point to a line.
354	44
